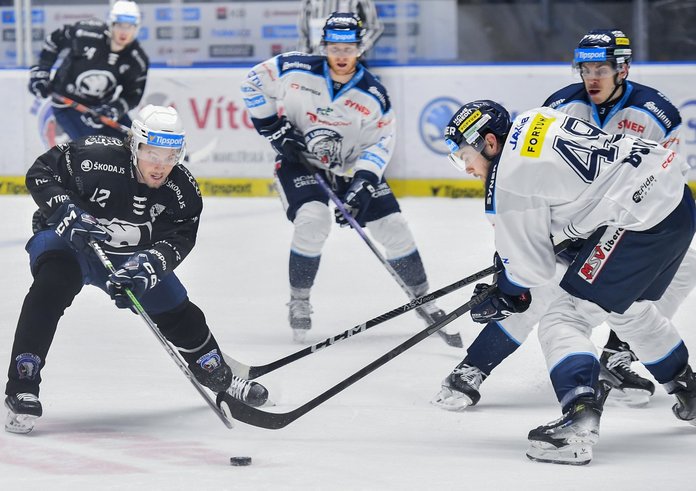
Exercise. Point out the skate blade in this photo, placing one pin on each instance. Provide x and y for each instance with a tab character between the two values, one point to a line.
447	400
572	454
630	397
20	423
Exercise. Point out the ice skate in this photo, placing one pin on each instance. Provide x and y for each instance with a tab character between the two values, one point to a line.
431	311
23	410
460	389
629	388
683	387
299	317
569	439
247	391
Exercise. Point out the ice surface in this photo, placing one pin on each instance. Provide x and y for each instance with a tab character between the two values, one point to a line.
118	414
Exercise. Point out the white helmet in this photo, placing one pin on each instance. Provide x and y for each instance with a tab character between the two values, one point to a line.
158	126
124	12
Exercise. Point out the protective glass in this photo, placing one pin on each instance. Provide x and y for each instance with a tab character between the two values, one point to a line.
466	153
342	51
601	71
167	157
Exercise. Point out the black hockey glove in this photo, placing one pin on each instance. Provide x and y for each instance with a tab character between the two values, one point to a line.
140	273
112	111
78	227
358	197
40	82
284	138
498	305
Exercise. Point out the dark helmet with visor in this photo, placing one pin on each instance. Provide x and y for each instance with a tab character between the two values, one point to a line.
343	27
600	45
471	123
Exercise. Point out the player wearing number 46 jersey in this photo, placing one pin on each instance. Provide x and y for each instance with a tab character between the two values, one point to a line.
628	199
136	199
608	100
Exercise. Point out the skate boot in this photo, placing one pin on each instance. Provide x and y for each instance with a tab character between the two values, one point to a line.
460	389
431	313
23	410
299	318
629	388
569	439
247	391
683	387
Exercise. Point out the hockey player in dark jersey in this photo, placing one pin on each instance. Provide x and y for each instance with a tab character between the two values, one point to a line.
136	199
99	59
339	118
608	100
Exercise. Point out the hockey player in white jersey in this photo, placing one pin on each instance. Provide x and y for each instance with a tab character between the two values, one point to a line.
627	197
313	16
338	117
606	99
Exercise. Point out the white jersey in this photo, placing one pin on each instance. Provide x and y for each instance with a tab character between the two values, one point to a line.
641	111
345	130
313	15
561	177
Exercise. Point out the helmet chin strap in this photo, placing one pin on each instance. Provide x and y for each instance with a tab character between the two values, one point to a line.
618	84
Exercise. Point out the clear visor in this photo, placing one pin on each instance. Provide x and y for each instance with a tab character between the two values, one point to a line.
342	50
593	70
168	157
460	157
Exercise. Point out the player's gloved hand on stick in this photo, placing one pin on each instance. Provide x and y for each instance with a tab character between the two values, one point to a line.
284	138
140	273
78	227
40	82
112	111
358	197
506	300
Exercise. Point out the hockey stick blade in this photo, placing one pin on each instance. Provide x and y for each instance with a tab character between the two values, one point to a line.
174	355
254	371
274	421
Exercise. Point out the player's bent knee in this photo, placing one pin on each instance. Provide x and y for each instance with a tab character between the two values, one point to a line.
312	226
394	234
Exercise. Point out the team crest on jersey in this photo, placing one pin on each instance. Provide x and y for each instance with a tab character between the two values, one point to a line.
156	210
94	83
326	145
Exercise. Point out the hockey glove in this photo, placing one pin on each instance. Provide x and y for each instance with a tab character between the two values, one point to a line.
284	138
357	197
78	227
112	111
40	82
498	305
140	273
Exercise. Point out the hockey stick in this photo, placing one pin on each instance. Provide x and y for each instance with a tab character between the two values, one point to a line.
451	339
88	110
255	371
174	355
273	421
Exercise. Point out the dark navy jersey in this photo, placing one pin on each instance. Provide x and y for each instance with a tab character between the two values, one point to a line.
641	111
90	71
96	173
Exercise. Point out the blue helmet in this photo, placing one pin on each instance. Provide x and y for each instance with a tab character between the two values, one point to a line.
343	27
610	45
473	121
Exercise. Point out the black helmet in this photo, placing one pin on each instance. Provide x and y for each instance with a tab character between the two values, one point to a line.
604	45
343	27
473	121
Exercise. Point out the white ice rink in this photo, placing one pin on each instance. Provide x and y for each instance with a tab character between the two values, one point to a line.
118	414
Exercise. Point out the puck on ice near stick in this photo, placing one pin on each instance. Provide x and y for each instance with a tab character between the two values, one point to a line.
240	461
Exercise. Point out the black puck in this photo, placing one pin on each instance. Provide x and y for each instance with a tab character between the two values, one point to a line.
238	461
